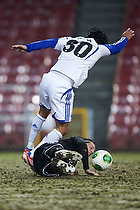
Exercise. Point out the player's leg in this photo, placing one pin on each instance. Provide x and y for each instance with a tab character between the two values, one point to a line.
35	130
67	155
57	97
62	127
36	126
56	134
61	167
61	112
43	113
53	136
65	161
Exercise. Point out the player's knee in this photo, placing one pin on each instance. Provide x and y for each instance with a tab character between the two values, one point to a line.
43	112
62	128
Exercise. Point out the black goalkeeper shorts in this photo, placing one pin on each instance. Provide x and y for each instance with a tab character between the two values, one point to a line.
42	158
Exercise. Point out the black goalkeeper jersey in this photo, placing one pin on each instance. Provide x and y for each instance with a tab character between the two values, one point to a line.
44	154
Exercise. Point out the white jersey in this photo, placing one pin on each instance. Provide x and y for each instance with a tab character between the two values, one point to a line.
78	56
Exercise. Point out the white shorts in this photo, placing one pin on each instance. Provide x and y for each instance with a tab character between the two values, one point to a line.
56	94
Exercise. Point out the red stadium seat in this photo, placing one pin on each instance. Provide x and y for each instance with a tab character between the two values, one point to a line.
135	142
118	137
126	91
126	79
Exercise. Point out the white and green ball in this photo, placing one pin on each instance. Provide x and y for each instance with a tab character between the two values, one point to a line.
101	160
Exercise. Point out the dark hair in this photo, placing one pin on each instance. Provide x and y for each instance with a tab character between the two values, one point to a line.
97	34
89	140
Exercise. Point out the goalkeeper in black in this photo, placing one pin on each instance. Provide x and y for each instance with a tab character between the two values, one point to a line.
61	158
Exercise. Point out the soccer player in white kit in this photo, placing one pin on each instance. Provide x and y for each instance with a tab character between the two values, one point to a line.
78	56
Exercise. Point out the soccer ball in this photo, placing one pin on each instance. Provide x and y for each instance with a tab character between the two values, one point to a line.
101	160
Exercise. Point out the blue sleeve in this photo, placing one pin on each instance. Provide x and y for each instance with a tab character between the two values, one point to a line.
41	44
117	46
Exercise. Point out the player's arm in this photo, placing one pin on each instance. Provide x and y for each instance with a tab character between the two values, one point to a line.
82	149
118	46
36	45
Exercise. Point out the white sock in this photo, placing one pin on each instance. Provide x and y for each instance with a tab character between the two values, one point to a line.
35	130
52	137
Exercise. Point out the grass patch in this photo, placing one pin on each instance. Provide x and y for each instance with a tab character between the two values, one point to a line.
117	188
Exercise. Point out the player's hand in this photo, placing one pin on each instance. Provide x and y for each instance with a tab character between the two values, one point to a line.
88	171
128	33
19	48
